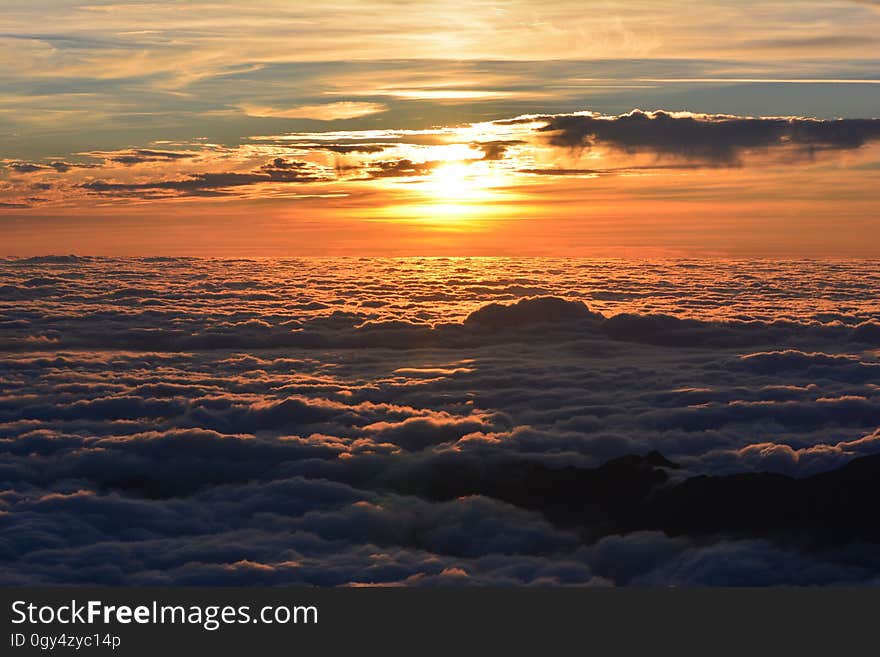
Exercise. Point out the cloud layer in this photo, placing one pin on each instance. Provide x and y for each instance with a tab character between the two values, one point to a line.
504	153
194	421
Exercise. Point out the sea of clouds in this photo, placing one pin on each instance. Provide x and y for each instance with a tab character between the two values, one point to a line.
188	421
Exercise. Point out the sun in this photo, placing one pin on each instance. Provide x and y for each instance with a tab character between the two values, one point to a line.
457	194
457	189
452	181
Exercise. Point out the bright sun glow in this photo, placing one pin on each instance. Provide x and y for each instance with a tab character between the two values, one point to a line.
455	195
454	181
461	191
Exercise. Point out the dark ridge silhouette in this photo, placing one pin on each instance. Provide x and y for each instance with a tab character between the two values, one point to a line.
598	500
633	493
52	260
826	509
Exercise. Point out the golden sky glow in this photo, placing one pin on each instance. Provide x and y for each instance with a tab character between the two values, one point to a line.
397	128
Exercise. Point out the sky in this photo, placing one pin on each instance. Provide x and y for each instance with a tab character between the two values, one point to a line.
440	128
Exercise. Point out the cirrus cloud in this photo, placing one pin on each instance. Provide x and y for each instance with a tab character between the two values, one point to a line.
344	109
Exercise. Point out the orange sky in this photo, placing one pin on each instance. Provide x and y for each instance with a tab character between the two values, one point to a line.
230	129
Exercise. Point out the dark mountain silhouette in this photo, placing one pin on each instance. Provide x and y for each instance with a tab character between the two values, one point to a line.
826	509
635	492
595	499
